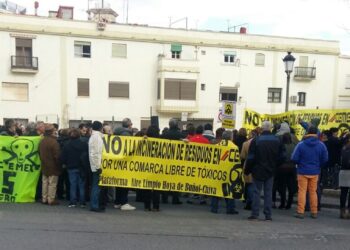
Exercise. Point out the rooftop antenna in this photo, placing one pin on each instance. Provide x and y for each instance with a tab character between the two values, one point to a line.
235	26
178	20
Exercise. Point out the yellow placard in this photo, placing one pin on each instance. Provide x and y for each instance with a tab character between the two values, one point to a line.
328	119
159	164
228	123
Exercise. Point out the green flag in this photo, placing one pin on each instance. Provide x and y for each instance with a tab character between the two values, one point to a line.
19	168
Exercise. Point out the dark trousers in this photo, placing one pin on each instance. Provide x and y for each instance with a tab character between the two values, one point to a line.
95	191
121	196
258	186
175	196
344	191
230	205
151	196
103	200
63	186
38	194
286	181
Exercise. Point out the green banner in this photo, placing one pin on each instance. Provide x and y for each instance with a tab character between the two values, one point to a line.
19	168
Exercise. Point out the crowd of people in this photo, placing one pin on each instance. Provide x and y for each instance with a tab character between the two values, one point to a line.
273	160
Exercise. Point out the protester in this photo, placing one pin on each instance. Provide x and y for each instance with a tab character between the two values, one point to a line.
151	196
241	138
9	128
344	179
63	186
40	128
49	151
265	153
286	174
227	137
71	157
191	131
95	157
248	179
121	194
309	155
334	147
208	132
173	133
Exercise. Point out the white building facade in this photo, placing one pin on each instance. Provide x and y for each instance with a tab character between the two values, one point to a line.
69	71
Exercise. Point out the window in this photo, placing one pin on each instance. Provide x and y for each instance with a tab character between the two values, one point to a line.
274	95
14	91
82	49
259	59
228	94
158	89
119	50
301	98
83	87
303	61
203	86
347	81
118	89
24	52
176	51
229	56
177	89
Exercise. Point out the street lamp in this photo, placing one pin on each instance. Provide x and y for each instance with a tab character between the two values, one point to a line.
288	66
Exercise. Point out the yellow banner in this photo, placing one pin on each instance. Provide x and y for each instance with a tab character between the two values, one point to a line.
328	119
159	164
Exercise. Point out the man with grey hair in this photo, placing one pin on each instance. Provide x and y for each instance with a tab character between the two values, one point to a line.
226	140
265	153
121	194
173	133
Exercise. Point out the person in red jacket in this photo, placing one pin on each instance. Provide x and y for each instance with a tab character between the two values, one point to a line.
198	137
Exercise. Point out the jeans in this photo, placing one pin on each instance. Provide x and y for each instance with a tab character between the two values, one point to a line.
230	205
95	191
258	185
76	182
307	183
250	192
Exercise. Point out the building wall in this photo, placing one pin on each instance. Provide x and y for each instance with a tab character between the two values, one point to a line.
53	90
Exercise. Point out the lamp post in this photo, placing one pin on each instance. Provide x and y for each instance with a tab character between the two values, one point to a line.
288	66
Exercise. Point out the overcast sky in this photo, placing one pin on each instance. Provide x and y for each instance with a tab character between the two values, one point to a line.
320	19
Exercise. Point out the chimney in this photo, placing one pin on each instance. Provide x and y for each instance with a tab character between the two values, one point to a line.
243	30
36	6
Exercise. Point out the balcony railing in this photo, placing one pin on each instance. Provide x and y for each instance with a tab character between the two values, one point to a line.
24	62
305	72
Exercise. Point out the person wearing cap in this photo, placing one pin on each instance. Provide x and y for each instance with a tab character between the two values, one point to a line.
310	155
95	158
49	152
265	153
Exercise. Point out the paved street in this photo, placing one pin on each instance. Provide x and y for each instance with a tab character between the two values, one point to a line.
36	226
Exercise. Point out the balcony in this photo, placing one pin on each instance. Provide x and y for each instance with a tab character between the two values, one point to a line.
24	64
177	65
304	73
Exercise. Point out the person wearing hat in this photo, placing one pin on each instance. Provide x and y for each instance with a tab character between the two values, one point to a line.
265	153
49	151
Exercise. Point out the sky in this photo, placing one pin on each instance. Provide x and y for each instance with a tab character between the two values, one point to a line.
318	19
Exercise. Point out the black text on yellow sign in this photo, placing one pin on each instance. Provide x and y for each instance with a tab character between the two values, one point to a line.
166	165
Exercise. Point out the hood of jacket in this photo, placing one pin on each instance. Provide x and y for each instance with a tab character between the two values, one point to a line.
123	131
283	129
311	140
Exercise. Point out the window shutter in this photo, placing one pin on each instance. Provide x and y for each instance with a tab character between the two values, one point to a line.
14	91
119	50
303	61
347	82
172	89
260	59
83	87
188	90
119	89
20	42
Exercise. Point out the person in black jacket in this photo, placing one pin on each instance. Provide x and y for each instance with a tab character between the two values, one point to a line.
334	148
265	153
172	134
71	157
344	179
